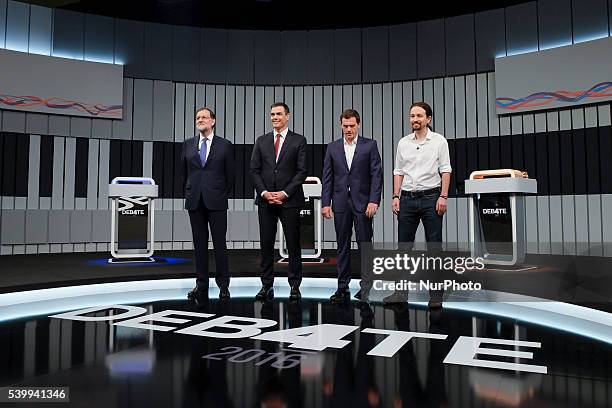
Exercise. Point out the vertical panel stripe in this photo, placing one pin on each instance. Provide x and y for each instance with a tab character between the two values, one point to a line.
103	174
69	173
57	196
34	172
92	174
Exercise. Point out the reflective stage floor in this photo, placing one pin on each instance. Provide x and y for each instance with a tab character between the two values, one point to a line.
106	365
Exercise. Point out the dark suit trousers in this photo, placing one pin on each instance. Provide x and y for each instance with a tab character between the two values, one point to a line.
343	222
290	220
200	218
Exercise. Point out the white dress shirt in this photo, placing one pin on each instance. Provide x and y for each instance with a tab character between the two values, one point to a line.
422	162
208	139
349	151
282	140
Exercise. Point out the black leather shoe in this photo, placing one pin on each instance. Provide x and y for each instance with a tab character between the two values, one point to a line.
340	296
295	293
265	293
224	293
365	311
192	293
434	303
197	293
201	299
396	297
363	296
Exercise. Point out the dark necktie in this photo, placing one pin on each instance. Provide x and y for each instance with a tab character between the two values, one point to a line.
277	144
203	152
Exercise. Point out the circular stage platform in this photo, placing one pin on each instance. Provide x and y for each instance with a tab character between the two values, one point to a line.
141	343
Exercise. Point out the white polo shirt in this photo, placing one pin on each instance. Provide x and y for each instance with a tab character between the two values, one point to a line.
422	162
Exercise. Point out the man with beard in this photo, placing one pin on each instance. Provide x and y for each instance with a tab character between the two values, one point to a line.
420	186
207	163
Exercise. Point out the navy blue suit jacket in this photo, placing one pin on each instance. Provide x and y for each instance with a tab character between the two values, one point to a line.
213	181
364	178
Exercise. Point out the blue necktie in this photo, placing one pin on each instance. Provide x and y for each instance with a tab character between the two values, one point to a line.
203	152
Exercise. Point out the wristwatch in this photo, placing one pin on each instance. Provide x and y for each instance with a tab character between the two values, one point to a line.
394	197
444	197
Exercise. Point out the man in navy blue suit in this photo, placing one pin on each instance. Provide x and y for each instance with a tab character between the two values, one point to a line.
352	184
207	162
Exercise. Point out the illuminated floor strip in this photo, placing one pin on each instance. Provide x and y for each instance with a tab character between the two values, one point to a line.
575	319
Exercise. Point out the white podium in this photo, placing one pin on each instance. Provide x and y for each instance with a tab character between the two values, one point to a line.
132	218
497	214
311	228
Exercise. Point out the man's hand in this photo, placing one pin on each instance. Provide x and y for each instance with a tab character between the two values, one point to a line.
268	197
441	206
395	206
272	197
327	212
279	197
371	210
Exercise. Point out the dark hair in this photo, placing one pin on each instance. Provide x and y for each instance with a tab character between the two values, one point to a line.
210	112
279	104
350	113
425	106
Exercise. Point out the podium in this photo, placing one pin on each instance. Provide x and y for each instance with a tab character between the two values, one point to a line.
132	220
497	214
311	223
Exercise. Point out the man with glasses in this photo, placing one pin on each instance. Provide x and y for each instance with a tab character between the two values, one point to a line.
207	162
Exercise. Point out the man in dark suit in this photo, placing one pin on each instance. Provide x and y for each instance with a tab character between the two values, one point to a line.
278	168
352	184
207	162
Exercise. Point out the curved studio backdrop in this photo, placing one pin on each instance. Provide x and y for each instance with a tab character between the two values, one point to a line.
55	169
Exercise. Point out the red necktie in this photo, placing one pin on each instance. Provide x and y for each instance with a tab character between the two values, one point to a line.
277	144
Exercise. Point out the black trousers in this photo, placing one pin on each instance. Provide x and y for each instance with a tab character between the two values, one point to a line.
290	220
200	219
414	210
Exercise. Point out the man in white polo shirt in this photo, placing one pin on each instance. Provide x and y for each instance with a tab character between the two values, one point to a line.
420	186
